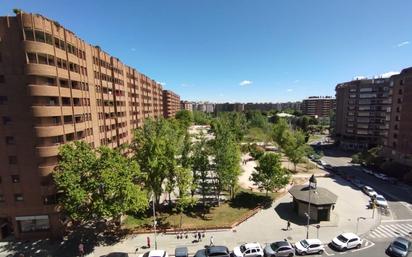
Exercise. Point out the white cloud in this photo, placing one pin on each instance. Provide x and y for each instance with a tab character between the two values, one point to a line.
404	43
289	90
186	85
388	74
245	82
133	49
162	83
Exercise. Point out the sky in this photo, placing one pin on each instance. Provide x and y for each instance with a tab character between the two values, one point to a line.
242	50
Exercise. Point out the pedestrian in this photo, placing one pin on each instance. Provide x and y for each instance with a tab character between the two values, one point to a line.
211	241
137	249
148	242
81	249
288	225
199	236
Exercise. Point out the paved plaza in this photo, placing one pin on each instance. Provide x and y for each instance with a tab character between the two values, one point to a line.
269	225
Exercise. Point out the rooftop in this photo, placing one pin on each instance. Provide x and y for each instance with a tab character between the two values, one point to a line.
318	196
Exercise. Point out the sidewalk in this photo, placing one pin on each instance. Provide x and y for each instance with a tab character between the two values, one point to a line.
268	226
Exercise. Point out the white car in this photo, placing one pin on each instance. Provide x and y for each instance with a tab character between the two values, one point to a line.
309	246
248	250
381	201
322	162
369	191
381	176
155	253
346	241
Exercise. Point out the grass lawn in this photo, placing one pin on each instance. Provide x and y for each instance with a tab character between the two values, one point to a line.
223	215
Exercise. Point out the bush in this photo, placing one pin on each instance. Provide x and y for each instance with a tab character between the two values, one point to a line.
256	151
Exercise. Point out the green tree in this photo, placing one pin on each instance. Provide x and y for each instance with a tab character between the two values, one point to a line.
155	148
269	174
201	168
295	147
201	118
256	151
226	161
279	132
97	184
184	180
185	118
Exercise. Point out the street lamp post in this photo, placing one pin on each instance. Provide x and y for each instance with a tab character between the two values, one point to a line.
154	221
312	182
357	223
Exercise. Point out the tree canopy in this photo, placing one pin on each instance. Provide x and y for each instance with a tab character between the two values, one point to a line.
97	184
269	174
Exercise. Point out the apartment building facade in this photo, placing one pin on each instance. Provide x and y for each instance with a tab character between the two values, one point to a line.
399	146
186	105
318	106
56	88
171	103
363	110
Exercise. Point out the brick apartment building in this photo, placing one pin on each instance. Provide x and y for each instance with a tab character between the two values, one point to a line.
363	113
399	143
318	106
55	88
171	103
186	105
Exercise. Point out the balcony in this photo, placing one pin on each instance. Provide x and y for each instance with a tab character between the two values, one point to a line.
46	111
48	131
48	151
43	90
40	69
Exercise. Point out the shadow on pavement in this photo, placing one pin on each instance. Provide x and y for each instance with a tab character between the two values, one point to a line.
286	212
90	236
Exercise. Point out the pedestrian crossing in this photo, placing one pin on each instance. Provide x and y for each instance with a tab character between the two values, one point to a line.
391	230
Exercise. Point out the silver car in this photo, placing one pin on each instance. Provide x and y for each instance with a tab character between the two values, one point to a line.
280	248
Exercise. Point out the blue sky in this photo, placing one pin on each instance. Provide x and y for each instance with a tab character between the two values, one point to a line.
205	49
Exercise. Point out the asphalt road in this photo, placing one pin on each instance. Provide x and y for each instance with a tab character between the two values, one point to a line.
399	197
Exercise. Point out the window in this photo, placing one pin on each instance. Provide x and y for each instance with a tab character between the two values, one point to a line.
15	178
18	197
400	91
31	57
13	159
40	36
10	140
28	33
33	223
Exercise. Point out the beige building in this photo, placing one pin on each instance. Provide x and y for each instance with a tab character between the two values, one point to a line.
55	88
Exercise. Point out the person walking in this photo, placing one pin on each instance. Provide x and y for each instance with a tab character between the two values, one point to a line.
288	225
148	242
211	241
199	235
81	249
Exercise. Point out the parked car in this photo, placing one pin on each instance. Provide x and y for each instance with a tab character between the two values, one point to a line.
323	163
309	246
369	191
381	201
248	250
381	176
117	254
367	171
181	252
155	253
346	241
222	251
279	248
399	247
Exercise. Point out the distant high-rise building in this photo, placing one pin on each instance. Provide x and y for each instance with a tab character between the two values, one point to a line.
54	89
186	105
171	103
229	107
363	113
318	106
